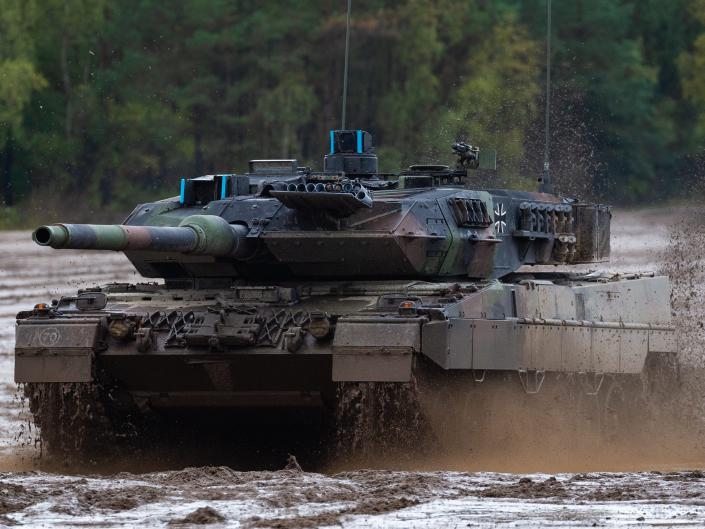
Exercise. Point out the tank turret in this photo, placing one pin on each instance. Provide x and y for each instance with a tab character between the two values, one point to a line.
347	221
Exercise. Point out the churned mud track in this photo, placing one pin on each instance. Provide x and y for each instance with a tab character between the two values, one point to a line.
422	495
364	498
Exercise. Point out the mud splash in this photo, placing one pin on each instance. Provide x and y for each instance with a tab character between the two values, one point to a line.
70	417
379	420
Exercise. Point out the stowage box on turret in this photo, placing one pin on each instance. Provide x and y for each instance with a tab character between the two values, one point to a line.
280	284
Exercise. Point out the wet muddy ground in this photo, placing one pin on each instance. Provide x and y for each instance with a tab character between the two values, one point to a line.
667	491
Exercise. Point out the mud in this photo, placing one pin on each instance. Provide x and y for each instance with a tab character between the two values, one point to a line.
201	516
650	476
286	499
527	488
13	498
380	420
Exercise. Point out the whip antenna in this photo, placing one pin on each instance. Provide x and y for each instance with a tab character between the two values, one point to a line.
545	184
345	67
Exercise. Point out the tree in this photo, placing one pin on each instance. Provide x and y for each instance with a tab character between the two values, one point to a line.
692	69
112	102
609	91
495	98
18	78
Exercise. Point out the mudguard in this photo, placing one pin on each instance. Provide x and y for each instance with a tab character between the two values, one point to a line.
55	351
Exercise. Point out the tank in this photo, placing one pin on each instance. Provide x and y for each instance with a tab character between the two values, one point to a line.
292	288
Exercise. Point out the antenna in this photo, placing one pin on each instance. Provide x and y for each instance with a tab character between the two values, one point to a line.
345	68
545	184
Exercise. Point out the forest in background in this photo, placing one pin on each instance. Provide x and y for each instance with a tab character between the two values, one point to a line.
104	104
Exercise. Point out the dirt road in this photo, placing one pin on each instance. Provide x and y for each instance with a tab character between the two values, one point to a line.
664	493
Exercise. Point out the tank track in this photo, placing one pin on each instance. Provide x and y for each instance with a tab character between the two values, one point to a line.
86	422
378	419
79	422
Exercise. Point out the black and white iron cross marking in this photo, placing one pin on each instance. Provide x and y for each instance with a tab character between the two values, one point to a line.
499	215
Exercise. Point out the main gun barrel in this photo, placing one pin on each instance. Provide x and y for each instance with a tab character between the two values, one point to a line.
197	234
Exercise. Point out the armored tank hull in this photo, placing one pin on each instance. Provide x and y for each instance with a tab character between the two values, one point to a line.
150	350
285	288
